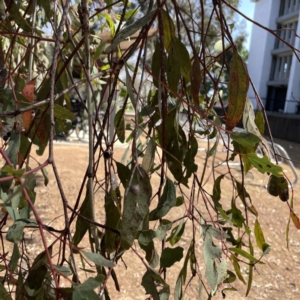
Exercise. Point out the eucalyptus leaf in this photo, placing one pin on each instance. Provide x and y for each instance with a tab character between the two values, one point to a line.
82	225
136	206
119	123
166	201
245	254
152	256
14	257
176	233
124	174
214	273
129	30
98	259
181	279
245	138
170	255
15	232
112	215
4	295
149	282
163	228
237	91
264	164
148	158
13	147
85	291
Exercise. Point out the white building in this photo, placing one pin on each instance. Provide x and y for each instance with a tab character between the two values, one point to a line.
273	66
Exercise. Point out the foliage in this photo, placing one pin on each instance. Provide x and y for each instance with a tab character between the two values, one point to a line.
37	76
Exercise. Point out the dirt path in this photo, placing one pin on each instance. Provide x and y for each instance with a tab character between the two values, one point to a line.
278	279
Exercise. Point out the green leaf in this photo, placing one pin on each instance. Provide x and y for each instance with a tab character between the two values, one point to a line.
173	69
82	225
5	185
182	54
36	277
237	91
244	254
243	194
149	155
124	174
59	112
236	216
129	30
152	256
163	228
119	123
12	202
176	145
169	256
259	235
231	277
25	147
2	17
40	131
85	291
222	273
212	150
250	274
136	206
130	13
15	13
196	80
4	295
178	294
45	175
13	147
99	50
166	201
295	219
151	280
260	122
149	285
237	268
112	217
264	165
169	28
179	201
98	259
14	257
66	271
156	63
45	4
15	232
245	138
189	159
146	236
214	273
214	232
176	233
217	190
12	171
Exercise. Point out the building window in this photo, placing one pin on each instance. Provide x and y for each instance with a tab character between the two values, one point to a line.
286	32
288	6
282	67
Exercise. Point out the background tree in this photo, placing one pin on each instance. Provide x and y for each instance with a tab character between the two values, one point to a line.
193	45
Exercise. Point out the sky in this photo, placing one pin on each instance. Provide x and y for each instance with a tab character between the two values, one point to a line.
247	8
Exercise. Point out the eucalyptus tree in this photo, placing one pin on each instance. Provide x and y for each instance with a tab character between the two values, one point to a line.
160	169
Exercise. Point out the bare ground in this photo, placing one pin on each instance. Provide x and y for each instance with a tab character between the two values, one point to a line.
278	279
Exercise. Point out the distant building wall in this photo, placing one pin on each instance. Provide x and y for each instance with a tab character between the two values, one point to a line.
273	67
